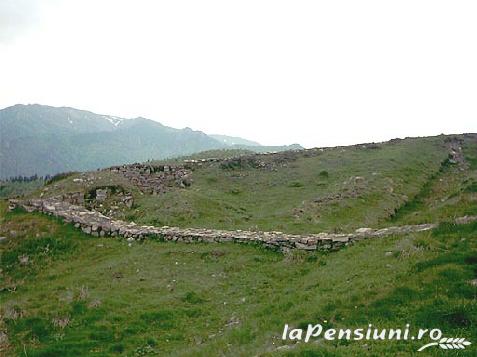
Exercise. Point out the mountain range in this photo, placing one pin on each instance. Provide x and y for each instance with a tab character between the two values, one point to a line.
44	140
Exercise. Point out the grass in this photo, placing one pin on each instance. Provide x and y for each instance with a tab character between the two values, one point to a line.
418	202
338	190
470	152
63	293
18	189
447	194
218	153
88	296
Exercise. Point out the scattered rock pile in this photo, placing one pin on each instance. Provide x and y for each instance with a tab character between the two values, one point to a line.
260	161
154	179
75	198
456	155
97	224
108	199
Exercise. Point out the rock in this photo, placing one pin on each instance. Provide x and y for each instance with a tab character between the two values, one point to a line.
23	259
284	347
466	219
128	201
364	230
186	181
101	194
388	254
97	224
3	338
2	239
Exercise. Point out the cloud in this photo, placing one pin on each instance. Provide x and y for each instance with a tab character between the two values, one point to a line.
17	17
318	73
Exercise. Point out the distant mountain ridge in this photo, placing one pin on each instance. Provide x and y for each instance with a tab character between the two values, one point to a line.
45	140
233	140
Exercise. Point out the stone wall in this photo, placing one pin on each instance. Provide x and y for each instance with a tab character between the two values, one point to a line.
154	179
97	224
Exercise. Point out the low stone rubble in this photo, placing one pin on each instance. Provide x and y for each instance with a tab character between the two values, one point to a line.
154	179
99	225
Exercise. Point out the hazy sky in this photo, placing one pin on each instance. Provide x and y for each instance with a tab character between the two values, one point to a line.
314	72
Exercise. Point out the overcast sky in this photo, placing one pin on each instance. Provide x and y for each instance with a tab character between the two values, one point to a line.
318	73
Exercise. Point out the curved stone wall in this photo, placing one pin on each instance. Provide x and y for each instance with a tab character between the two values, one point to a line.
97	224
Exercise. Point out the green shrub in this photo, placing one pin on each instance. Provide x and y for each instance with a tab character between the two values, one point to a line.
324	174
192	298
32	327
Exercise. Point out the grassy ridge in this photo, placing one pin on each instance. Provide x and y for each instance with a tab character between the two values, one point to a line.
339	190
13	189
63	293
83	296
447	194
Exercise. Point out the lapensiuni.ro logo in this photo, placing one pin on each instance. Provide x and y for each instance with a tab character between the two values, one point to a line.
371	333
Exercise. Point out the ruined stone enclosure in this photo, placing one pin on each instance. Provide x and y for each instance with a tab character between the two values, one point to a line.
154	179
99	225
93	209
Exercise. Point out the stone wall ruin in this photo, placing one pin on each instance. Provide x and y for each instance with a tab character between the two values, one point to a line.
99	225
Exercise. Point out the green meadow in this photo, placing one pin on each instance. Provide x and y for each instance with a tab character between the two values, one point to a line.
64	293
83	296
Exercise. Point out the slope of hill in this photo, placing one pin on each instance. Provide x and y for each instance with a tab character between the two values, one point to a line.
233	140
20	121
268	149
307	191
65	293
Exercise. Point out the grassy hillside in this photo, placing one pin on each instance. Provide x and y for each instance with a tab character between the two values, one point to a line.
63	293
451	192
219	154
9	189
338	189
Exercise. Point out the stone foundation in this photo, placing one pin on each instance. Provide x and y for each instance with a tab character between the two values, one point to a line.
99	225
154	179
